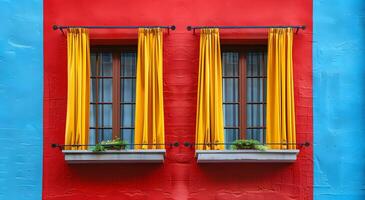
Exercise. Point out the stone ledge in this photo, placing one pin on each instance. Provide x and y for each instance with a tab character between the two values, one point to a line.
114	156
246	156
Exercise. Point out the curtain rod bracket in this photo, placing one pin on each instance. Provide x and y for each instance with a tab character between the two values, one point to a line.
62	32
55	27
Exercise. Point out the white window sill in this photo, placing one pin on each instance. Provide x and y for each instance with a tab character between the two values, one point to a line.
246	156
114	156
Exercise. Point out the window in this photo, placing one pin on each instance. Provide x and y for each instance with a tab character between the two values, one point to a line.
244	93
112	94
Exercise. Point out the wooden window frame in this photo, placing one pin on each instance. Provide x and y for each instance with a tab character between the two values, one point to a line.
242	51
116	52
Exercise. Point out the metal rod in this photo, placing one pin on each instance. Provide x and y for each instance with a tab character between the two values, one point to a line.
61	27
61	146
175	144
188	144
189	28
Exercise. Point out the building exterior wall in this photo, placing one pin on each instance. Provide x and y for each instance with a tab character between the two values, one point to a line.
338	99
339	93
180	177
21	94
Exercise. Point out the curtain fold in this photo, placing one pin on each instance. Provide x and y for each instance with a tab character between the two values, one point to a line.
149	119
78	88
209	116
280	117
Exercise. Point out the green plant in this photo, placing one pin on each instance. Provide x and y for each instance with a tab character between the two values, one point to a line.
248	144
116	144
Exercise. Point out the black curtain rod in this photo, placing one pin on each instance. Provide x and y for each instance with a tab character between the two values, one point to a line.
60	27
62	146
189	28
305	144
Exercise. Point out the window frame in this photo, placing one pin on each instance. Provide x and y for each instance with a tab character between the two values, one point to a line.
116	77
242	51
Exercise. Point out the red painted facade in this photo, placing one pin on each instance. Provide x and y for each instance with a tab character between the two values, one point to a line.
180	177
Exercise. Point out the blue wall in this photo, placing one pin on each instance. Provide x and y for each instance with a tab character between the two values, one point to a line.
21	94
339	99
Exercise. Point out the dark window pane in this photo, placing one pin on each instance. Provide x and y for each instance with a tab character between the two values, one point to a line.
128	136
264	90
253	67
256	134
105	134
256	93
93	92
231	117
265	65
261	65
256	89
230	64
255	115
230	135
230	90
108	134
128	64
127	96
92	115
128	90
105	116
105	89
107	64
264	115
92	136
93	64
127	113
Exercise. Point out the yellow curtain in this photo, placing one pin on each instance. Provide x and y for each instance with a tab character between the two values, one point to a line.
280	116
78	66
149	120
209	117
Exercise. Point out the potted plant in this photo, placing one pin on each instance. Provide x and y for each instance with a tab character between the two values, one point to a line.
248	144
115	144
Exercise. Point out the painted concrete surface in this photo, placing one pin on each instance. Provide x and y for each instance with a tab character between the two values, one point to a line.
21	94
180	177
339	105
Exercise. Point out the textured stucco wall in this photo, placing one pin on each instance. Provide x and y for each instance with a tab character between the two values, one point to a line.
339	99
180	177
21	94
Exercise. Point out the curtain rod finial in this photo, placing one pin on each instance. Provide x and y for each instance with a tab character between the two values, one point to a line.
55	27
173	27
189	28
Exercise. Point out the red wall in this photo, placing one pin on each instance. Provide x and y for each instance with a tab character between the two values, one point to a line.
180	177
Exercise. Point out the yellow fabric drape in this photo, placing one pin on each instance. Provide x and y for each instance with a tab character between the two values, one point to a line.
280	118
149	120
209	117
78	66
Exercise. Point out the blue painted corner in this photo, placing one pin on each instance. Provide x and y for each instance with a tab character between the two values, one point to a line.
339	99
21	92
